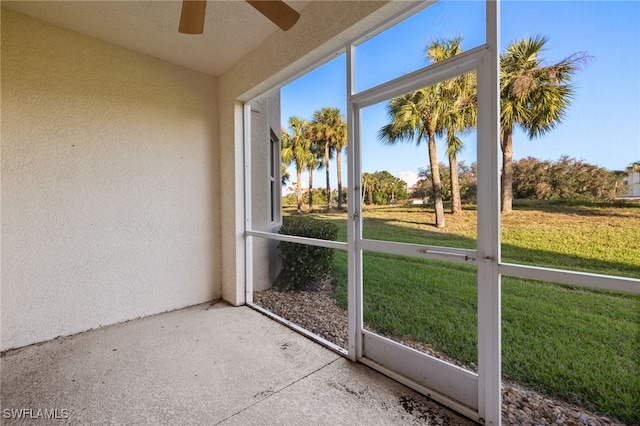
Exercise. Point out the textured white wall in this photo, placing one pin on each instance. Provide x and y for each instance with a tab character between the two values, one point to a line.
110	184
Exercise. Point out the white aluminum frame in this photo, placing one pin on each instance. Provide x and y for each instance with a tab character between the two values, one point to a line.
489	284
248	241
477	396
466	392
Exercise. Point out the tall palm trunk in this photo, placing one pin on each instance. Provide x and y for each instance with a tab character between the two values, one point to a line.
363	191
339	170
506	182
299	189
456	203
435	180
310	189
326	167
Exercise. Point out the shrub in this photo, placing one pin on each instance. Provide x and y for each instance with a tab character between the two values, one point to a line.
305	264
564	179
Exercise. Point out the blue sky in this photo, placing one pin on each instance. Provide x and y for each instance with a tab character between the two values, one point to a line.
601	127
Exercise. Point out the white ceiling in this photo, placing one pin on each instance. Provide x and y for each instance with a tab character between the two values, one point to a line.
232	28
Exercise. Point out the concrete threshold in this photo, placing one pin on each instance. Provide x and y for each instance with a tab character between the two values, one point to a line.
203	365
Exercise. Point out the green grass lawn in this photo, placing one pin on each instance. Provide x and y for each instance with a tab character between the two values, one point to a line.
574	343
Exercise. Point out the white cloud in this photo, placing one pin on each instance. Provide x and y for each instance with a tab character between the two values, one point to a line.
410	177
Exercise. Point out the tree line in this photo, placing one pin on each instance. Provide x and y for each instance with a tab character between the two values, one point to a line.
534	179
383	188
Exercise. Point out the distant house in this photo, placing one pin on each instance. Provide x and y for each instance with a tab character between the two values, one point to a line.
424	200
633	184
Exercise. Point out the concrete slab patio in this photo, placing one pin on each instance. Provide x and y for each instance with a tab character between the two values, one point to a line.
204	365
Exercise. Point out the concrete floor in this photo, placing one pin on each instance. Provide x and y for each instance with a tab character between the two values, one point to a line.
202	366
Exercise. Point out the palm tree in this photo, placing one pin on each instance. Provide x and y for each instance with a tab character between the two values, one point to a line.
368	186
454	145
328	128
284	174
533	96
296	148
415	116
460	119
460	115
313	162
340	143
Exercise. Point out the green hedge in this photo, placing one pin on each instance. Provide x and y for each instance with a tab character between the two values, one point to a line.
305	264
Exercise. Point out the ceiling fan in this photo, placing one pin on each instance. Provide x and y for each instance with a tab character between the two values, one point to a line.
193	12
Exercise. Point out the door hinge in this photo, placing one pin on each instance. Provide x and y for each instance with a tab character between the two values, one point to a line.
356	217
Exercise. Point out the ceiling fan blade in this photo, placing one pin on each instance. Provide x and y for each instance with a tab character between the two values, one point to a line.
192	17
277	11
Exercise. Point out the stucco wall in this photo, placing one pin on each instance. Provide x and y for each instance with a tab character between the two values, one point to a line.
265	119
110	184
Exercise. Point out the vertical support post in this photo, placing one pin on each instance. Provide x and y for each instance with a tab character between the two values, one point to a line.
248	240
489	291
354	210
